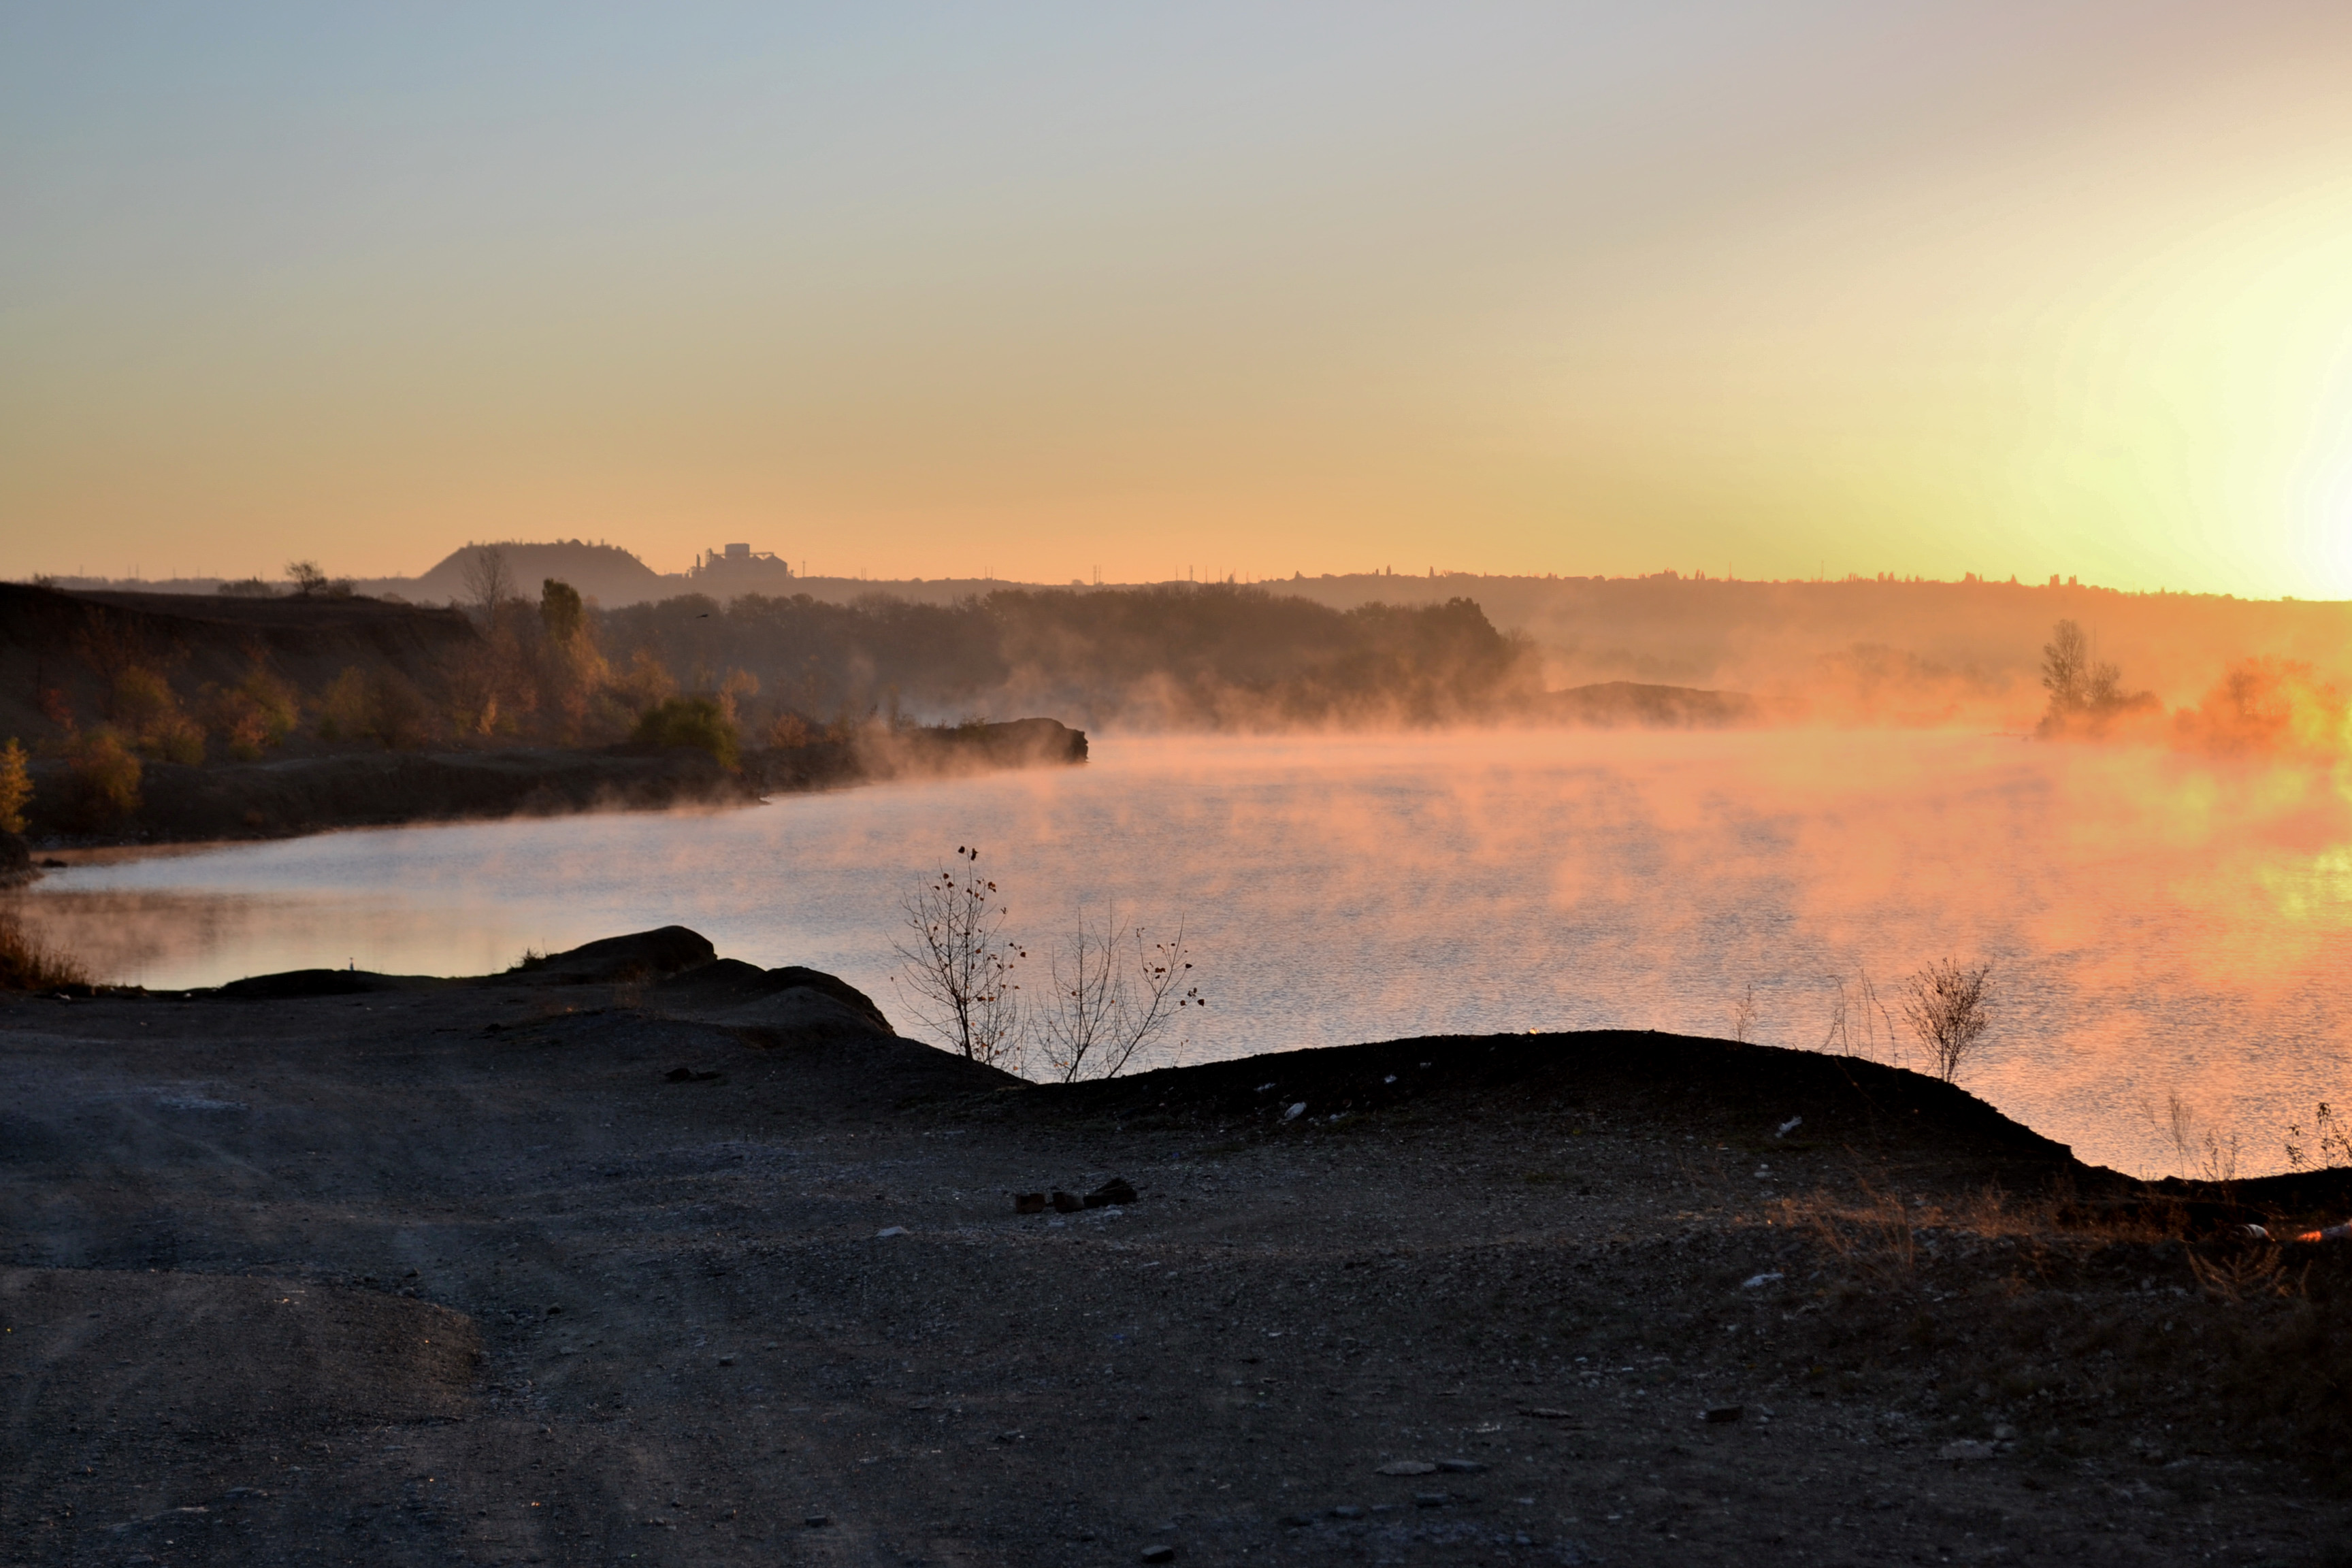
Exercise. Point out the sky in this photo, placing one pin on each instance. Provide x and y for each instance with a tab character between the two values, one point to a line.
1043	290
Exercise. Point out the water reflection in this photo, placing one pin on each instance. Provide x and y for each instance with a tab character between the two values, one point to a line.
2159	924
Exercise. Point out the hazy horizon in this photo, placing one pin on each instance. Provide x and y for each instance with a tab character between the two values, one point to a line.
1821	290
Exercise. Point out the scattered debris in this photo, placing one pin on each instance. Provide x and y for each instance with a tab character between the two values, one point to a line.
1295	1113
818	1520
2331	1233
1788	1126
687	1075
1067	1202
1028	1203
1758	1282
1115	1191
1460	1467
1432	1499
1408	1467
1721	1412
1963	1449
1160	1554
885	1233
1347	1510
1547	1413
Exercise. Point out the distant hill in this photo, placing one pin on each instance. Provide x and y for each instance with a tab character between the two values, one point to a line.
606	572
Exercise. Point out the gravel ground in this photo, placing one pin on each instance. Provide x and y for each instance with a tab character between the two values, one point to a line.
458	1274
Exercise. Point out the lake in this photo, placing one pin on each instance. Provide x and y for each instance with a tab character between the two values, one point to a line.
2160	925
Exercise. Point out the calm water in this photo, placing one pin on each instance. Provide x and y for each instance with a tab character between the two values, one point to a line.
2159	925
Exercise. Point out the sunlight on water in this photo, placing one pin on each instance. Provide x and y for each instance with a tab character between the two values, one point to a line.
2158	924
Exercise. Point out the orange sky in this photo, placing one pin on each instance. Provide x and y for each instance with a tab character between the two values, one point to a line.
1770	290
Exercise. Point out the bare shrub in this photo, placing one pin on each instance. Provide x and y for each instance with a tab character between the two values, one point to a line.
1743	1015
1859	1025
1112	997
2326	1145
489	583
1946	1006
310	582
2084	693
957	964
27	964
2202	1154
2247	1274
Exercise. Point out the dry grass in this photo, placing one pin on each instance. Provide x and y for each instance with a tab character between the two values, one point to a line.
27	964
2253	1273
2088	1325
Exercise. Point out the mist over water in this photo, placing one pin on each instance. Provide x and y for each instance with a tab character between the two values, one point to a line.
2159	924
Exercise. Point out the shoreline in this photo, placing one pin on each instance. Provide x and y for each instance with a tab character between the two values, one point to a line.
294	796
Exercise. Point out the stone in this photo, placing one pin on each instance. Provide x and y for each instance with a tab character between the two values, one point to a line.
1115	1191
1722	1413
1408	1467
1028	1203
1964	1449
1163	1553
1545	1412
1460	1467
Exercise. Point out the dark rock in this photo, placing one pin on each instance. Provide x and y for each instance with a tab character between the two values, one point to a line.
1115	1191
1432	1499
687	1075
731	989
1028	1203
1719	1413
1545	1412
818	1520
640	955
1161	1553
297	984
1461	1466
1066	1203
